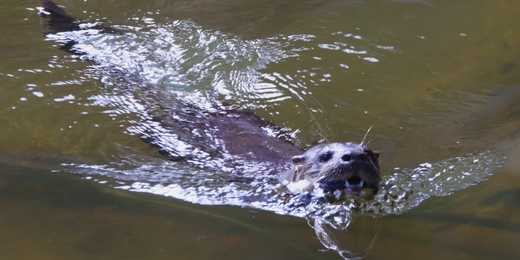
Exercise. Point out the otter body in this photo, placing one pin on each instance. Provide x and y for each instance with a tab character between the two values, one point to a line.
238	141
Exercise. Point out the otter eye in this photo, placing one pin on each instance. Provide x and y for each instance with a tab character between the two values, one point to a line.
325	157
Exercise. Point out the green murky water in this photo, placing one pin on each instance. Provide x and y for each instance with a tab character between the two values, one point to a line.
437	80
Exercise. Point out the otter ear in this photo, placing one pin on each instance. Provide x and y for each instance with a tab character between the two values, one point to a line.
377	153
298	159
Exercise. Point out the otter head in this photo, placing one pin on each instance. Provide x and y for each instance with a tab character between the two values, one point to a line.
336	168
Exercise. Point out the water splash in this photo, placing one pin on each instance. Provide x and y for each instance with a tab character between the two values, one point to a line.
407	187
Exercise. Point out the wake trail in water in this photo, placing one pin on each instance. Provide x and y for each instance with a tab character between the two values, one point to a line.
196	63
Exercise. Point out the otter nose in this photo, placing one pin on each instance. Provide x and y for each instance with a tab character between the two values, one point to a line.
353	156
346	157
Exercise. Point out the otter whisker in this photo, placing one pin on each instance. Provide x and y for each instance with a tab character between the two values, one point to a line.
313	174
366	134
303	173
316	142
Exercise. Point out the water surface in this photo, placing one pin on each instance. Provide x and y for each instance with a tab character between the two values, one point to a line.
437	80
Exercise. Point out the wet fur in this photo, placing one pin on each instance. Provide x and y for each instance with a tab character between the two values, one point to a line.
243	136
335	163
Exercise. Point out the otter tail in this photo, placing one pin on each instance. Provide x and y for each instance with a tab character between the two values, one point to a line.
53	9
59	20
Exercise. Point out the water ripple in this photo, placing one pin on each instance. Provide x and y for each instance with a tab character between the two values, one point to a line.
184	57
406	188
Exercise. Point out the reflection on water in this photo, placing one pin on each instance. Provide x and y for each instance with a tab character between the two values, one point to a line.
427	75
179	56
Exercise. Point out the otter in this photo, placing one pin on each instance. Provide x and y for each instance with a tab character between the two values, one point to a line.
238	141
338	169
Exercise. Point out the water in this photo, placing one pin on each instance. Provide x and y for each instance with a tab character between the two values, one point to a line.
435	79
